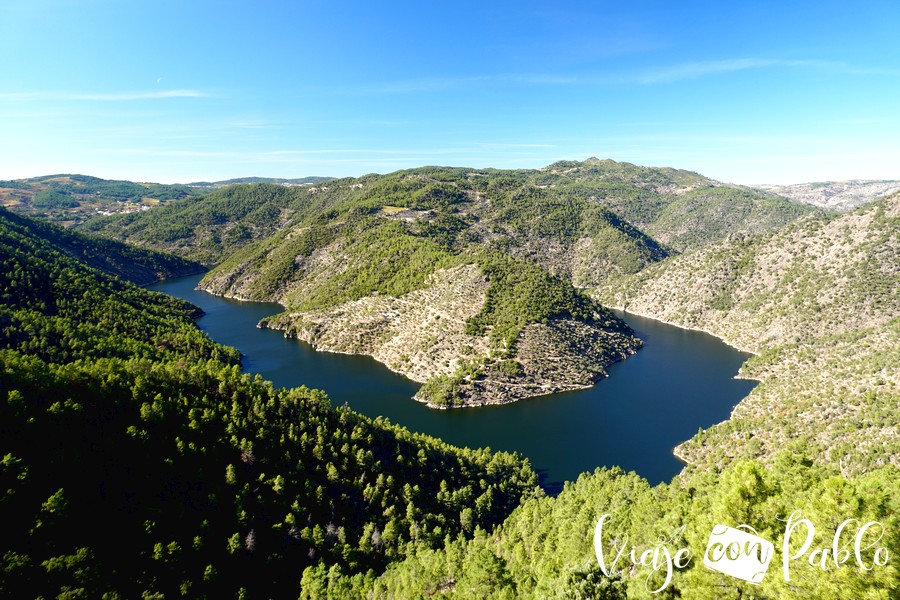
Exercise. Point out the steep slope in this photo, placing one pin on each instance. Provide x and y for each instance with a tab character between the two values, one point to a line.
838	395
818	300
680	209
137	265
409	286
654	541
210	483
554	215
711	213
818	276
206	230
60	309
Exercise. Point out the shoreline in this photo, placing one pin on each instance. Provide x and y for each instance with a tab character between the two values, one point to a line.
675	451
571	388
482	404
680	326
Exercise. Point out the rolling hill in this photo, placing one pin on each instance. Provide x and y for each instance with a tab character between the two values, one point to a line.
465	280
70	199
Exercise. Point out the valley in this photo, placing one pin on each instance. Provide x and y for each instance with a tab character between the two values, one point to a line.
349	258
482	287
625	420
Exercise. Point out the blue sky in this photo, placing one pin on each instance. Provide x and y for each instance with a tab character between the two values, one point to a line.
184	90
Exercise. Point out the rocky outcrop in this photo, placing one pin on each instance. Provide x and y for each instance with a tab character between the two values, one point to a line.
559	356
422	335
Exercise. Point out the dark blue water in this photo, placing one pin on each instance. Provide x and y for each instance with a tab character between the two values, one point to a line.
680	381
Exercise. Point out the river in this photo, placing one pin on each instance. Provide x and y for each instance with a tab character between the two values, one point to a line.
680	381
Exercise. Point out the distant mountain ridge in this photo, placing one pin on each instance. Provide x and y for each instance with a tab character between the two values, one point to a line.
835	195
70	199
277	180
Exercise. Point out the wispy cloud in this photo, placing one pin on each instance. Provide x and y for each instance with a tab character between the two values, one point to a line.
427	85
251	124
63	96
663	75
498	145
696	70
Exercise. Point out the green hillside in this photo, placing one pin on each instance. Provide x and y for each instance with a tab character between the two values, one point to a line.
137	265
680	209
538	214
817	276
205	230
495	254
71	199
426	238
58	308
545	549
209	483
818	301
710	213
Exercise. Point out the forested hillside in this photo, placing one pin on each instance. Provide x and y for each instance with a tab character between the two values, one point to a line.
209	229
137	460
817	276
137	265
545	549
58	308
680	209
461	279
818	300
535	213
